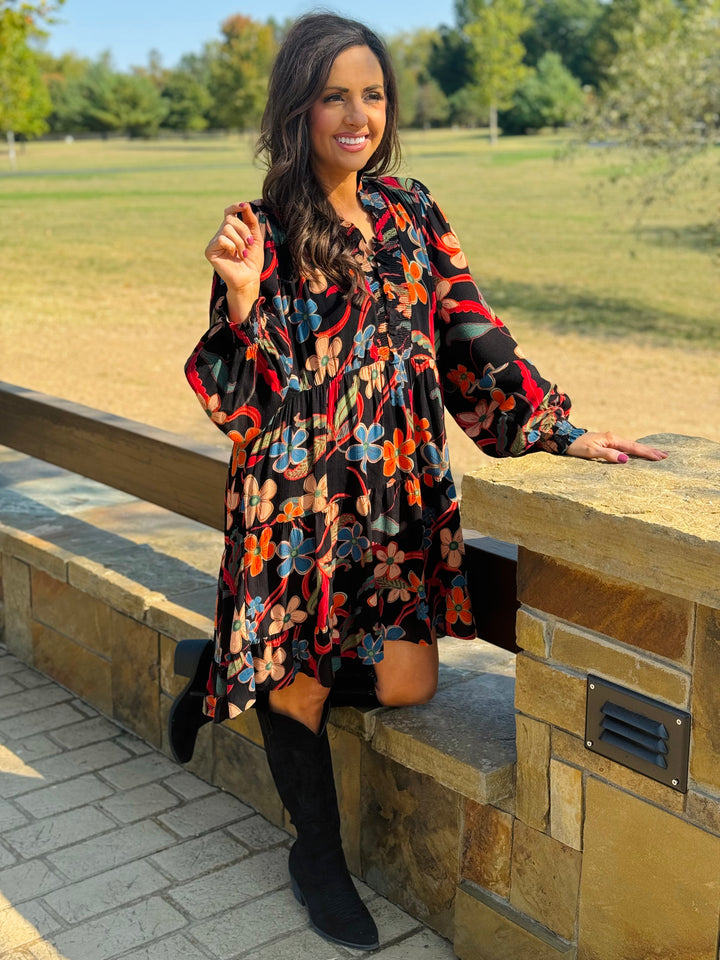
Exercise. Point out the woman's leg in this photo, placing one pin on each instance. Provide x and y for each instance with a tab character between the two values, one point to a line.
407	674
303	700
293	725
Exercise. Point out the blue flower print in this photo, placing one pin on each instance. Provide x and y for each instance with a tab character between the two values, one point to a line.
289	450
392	633
362	341
351	542
439	462
296	553
306	317
366	449
421	610
255	608
243	670
300	649
280	304
370	649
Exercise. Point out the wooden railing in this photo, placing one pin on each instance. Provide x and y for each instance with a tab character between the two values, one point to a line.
189	478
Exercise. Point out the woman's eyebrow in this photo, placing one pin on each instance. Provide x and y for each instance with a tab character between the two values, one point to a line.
371	86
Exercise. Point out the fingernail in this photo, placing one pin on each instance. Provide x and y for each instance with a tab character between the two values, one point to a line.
250	241
622	458
245	253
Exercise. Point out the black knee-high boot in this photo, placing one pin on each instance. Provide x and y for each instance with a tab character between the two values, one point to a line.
301	767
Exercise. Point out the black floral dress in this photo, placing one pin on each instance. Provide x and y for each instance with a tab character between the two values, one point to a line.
343	531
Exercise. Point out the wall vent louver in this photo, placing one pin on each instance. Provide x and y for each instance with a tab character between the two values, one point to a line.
644	734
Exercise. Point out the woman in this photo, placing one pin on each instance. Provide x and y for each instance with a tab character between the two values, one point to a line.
343	315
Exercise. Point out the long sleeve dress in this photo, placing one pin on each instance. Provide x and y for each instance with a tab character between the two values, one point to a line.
342	530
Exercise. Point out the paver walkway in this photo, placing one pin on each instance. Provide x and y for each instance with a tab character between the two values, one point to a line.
108	849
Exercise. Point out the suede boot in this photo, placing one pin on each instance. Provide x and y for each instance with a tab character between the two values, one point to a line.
354	685
193	658
301	767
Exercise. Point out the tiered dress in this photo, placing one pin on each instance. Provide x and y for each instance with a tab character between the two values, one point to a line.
343	531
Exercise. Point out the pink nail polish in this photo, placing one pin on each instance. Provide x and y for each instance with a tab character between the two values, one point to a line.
622	458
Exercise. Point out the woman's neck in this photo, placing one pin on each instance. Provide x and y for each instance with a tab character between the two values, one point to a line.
343	198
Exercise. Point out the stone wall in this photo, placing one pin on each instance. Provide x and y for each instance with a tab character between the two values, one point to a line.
619	577
564	855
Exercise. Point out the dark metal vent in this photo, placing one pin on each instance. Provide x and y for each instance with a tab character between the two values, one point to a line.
638	732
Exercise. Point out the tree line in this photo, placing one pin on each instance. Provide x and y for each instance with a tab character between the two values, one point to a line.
642	68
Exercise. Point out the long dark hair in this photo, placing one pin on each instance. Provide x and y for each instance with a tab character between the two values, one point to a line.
318	243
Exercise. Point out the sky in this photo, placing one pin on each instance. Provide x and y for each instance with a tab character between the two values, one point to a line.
131	28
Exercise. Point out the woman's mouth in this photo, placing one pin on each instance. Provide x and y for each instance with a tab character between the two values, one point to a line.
351	143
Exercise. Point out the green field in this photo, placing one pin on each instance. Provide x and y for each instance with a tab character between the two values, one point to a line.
103	276
548	239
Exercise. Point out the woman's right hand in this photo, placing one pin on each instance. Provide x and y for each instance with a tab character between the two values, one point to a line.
237	255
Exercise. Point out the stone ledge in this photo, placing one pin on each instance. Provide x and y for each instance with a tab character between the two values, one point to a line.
631	521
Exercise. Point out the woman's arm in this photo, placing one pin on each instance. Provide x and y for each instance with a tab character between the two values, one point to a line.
497	395
241	367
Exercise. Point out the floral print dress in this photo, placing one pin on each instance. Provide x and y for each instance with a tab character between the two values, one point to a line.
343	531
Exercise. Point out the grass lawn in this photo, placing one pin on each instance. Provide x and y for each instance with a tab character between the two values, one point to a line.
104	286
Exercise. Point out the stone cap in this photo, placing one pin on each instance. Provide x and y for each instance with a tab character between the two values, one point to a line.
653	523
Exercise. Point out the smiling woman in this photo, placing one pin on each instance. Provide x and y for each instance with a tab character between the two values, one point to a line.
343	317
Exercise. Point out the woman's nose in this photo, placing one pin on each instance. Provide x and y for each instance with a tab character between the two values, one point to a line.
356	113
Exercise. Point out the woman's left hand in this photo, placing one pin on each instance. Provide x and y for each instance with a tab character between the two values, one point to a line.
610	447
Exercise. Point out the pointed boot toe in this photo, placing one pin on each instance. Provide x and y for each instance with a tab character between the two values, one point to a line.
193	659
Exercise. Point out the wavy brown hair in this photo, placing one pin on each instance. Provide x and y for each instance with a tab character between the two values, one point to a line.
316	238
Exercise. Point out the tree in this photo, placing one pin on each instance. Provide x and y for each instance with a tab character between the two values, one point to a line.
24	101
494	27
63	77
239	72
422	102
566	27
451	60
187	100
660	100
548	97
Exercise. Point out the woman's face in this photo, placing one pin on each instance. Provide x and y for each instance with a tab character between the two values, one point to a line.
347	121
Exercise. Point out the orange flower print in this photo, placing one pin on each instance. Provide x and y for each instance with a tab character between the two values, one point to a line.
258	500
396	453
462	377
505	403
258	550
399	213
413	278
240	444
291	508
457	603
452	547
325	362
391	558
283	618
421	429
452	248
412	486
270	666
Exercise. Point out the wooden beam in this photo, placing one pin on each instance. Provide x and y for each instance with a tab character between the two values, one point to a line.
155	465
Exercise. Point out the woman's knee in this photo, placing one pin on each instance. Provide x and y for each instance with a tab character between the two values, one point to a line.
406	694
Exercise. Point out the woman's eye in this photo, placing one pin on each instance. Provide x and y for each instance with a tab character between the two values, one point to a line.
333	98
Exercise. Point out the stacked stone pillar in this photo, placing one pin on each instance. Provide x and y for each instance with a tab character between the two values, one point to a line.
619	577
